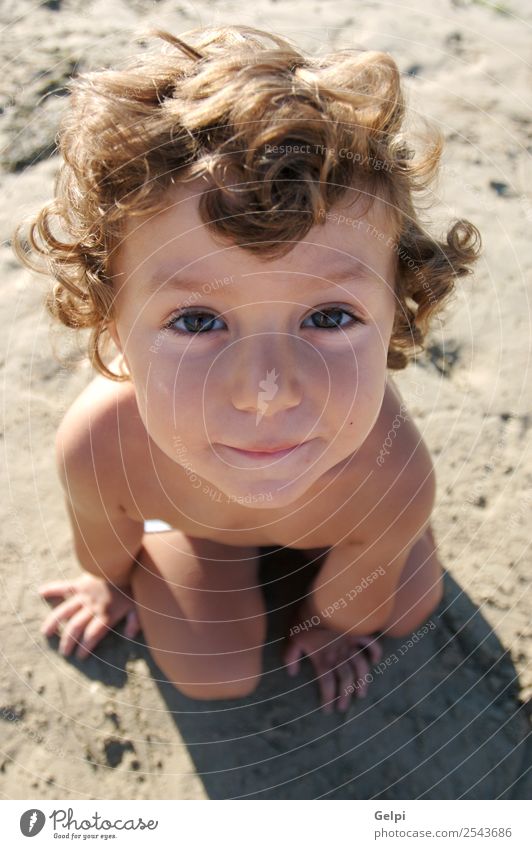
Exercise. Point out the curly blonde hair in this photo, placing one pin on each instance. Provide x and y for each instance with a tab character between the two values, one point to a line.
224	103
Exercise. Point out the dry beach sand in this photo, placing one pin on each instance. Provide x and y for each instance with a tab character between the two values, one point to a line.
450	720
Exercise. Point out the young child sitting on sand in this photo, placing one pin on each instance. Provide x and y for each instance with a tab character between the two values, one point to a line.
239	218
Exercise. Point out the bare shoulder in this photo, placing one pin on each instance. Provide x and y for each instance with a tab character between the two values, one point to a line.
89	440
404	474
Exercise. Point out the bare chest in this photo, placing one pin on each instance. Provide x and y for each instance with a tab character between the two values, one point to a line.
199	509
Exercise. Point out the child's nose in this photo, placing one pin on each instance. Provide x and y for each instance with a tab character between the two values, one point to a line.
266	374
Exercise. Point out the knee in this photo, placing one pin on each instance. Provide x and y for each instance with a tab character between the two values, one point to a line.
437	592
238	688
236	681
435	595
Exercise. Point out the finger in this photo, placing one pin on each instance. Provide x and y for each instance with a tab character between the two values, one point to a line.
337	653
344	673
327	684
374	649
74	629
361	667
132	626
56	588
334	653
292	658
60	614
345	685
93	634
371	644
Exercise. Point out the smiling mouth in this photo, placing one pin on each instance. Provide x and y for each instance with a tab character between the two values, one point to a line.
266	455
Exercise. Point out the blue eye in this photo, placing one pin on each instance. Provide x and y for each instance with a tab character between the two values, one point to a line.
201	321
197	325
322	318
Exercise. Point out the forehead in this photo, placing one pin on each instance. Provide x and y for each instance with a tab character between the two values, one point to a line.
358	230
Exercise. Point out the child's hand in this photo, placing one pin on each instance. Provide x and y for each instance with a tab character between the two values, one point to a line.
90	607
339	660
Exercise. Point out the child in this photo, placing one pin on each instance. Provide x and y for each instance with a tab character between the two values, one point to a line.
238	217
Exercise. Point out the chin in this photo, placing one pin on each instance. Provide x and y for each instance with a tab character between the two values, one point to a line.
266	494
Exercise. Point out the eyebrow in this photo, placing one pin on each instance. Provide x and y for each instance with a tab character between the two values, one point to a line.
356	270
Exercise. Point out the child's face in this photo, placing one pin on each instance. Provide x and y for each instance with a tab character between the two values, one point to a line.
266	370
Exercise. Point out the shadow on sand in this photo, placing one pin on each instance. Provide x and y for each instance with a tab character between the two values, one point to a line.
444	721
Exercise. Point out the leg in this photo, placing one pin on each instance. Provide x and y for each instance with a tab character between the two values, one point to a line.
420	588
202	612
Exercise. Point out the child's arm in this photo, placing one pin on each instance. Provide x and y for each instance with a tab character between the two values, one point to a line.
106	541
356	586
356	591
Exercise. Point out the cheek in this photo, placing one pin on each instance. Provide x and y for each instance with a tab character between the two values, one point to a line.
357	387
362	365
178	401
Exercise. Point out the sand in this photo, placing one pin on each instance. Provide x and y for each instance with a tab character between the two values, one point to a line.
450	720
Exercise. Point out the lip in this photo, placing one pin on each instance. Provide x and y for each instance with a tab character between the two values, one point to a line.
267	454
270	449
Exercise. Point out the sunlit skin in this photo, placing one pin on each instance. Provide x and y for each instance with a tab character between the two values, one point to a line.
324	385
273	352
